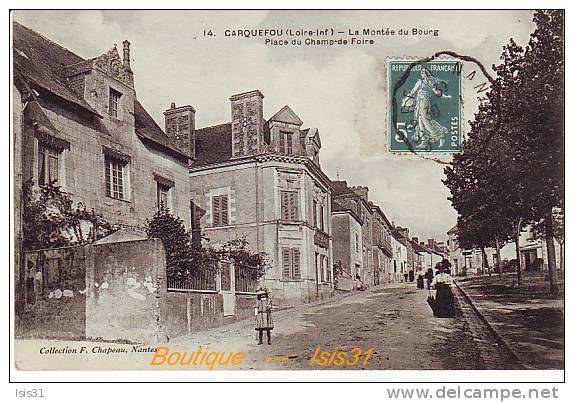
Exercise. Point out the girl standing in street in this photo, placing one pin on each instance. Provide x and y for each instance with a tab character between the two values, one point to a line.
263	319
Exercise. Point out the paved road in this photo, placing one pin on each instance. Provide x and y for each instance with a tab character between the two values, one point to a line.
393	322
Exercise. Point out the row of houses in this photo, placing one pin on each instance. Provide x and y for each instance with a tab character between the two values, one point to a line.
532	249
78	123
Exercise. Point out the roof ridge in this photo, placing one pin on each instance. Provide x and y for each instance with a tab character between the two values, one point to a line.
49	40
215	125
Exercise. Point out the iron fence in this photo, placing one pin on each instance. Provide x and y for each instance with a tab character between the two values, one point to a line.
246	278
201	279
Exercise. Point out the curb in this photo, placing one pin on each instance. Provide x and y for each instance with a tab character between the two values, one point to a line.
494	332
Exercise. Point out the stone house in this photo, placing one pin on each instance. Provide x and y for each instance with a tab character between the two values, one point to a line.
400	266
347	245
402	235
261	179
78	123
356	199
382	246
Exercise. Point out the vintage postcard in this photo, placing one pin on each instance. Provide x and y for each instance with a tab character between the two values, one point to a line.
375	192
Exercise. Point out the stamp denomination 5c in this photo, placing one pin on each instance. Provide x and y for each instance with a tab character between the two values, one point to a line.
424	106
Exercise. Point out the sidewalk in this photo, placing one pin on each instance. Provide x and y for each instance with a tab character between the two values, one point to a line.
527	318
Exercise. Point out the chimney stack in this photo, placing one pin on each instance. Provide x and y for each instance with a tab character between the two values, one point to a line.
246	123
126	60
180	127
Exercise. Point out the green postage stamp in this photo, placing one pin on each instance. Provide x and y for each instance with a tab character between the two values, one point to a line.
424	113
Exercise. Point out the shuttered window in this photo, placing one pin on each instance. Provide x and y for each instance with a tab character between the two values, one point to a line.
291	262
220	211
289	205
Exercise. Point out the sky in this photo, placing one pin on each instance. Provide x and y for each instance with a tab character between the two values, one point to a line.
339	90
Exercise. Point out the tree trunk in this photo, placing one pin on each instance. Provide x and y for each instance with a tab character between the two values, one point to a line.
561	256
485	261
517	242
551	252
498	264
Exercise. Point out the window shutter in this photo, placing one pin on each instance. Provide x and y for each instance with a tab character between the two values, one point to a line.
296	267
293	212
284	205
224	211
286	263
216	211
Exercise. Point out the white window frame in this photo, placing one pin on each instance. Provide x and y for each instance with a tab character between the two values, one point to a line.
125	171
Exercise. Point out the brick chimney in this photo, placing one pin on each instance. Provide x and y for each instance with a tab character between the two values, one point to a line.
180	127
246	123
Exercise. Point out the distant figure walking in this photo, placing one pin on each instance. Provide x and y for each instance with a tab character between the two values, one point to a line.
420	280
442	304
263	319
429	276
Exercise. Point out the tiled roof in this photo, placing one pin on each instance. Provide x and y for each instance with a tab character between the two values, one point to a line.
340	188
147	128
41	62
212	145
337	207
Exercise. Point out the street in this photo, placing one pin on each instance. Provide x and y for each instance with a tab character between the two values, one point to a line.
390	327
394	320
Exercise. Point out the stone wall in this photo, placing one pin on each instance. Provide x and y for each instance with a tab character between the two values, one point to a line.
55	293
116	292
126	288
112	291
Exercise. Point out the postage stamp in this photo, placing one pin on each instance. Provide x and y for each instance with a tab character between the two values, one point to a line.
424	113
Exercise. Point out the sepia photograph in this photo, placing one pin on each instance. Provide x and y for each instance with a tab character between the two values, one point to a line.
364	191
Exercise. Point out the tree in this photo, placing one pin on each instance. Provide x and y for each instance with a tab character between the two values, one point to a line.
540	105
238	251
50	219
184	258
514	154
179	253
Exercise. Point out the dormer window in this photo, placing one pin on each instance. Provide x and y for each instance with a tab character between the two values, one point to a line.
114	102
